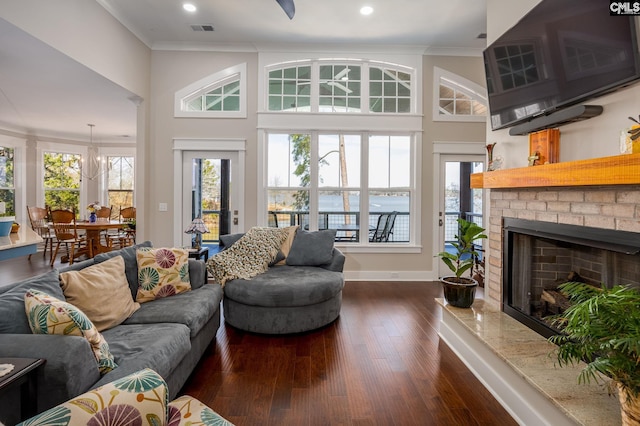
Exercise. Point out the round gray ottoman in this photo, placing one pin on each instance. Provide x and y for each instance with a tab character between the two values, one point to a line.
285	299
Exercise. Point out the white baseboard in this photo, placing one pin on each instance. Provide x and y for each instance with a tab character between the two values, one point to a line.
390	276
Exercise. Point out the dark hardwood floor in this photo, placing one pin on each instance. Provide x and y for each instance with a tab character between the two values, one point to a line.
380	363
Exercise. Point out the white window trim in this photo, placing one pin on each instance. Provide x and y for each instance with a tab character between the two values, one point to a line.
473	90
364	246
116	152
205	84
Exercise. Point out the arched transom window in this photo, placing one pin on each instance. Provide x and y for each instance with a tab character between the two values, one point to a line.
330	86
457	99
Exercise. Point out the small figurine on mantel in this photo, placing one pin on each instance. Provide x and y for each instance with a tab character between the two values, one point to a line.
534	158
634	134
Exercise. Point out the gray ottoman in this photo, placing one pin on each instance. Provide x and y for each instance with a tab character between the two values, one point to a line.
285	299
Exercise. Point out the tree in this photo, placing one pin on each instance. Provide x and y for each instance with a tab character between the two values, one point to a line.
210	184
301	151
62	180
7	189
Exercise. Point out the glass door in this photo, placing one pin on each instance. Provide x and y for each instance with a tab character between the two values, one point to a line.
208	193
457	199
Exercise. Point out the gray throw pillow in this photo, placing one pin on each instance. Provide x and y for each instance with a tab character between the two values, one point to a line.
228	240
311	248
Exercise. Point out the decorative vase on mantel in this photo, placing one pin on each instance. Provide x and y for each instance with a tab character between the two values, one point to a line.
92	217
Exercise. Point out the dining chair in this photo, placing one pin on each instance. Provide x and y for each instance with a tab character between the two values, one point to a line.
103	214
63	223
38	218
126	236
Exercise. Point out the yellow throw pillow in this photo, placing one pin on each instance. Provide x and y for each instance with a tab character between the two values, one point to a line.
286	245
101	291
162	272
48	315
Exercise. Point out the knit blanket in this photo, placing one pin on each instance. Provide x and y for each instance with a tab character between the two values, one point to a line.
247	257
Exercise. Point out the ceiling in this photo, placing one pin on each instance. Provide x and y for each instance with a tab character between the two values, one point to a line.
62	100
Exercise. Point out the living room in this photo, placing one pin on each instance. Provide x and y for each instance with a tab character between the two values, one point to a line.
156	75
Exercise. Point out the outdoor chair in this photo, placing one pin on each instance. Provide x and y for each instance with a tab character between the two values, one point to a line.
384	228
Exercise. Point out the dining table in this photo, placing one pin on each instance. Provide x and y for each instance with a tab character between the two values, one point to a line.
93	232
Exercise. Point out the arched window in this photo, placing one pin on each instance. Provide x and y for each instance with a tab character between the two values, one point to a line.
340	141
340	86
222	94
457	99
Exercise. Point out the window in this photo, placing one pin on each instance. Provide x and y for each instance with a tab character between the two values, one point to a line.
340	141
290	89
120	183
352	86
7	180
390	90
222	94
457	99
339	88
316	180
61	180
224	98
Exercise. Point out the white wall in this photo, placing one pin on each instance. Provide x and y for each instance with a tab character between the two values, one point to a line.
173	70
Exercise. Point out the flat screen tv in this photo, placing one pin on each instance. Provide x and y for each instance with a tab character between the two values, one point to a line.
561	53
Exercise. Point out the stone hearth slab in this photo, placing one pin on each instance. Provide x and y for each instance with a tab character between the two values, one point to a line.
513	363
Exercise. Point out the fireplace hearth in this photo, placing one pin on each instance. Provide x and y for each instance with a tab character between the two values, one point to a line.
538	256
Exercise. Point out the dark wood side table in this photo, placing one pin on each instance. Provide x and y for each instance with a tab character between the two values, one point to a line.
25	376
203	253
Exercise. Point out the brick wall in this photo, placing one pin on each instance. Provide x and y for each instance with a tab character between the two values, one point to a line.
610	207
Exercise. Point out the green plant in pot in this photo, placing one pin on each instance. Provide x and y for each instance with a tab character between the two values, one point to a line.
460	291
602	328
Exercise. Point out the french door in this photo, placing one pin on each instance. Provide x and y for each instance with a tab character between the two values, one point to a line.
456	199
210	190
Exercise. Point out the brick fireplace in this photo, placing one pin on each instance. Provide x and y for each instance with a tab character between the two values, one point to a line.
611	207
508	357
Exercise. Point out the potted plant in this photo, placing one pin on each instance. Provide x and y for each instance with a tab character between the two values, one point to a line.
458	290
602	328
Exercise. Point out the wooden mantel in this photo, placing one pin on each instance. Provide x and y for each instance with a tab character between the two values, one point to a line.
616	170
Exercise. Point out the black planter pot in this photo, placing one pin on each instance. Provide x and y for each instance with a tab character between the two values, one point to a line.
459	292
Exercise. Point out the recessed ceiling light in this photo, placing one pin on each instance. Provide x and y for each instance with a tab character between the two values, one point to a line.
189	7
366	10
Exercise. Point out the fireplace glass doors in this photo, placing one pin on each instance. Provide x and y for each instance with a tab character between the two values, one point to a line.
539	256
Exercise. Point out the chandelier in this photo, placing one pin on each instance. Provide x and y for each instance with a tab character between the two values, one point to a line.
94	166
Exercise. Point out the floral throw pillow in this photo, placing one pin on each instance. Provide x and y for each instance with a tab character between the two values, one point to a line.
48	315
162	272
188	410
137	399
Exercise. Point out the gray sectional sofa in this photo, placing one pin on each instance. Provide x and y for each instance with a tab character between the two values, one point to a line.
168	335
304	293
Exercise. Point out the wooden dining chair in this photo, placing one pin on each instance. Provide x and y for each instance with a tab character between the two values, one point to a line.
126	236
63	223
38	218
103	214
